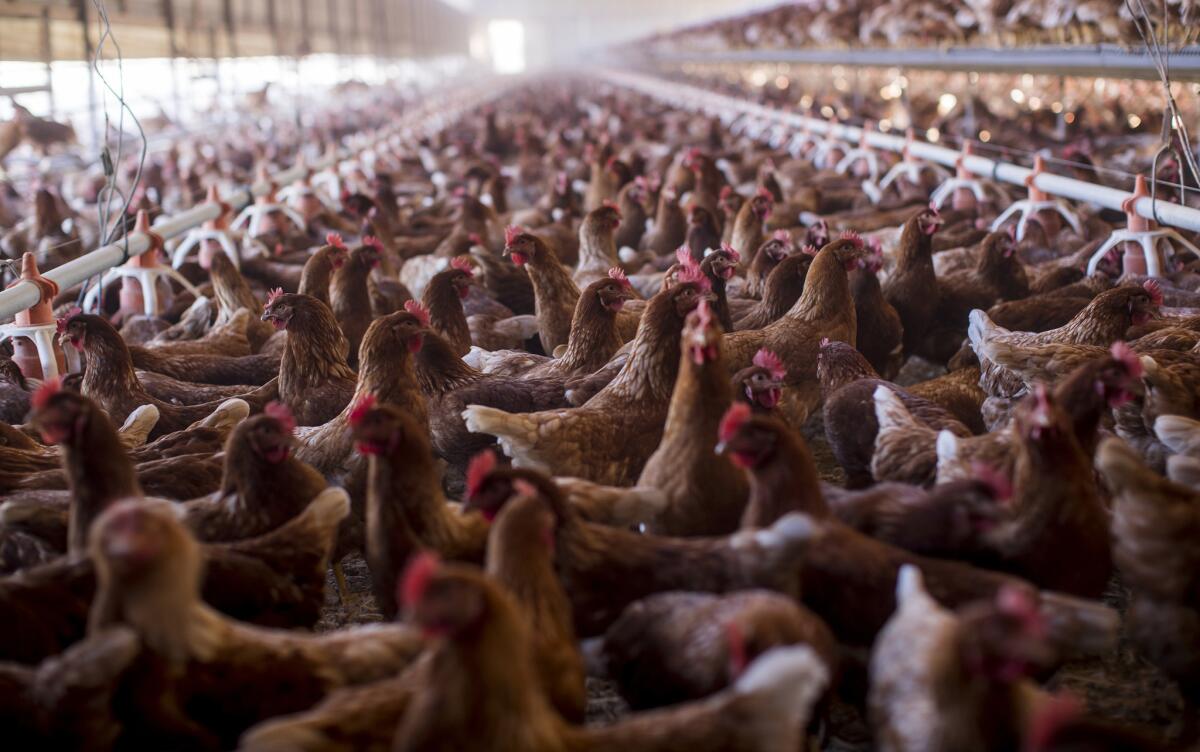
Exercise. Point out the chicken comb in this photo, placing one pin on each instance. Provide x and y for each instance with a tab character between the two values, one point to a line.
370	241
1155	290
783	236
524	487
809	250
463	264
737	257
691	274
610	204
683	255
611	161
995	479
726	192
48	389
416	309
417	576
618	274
475	239
362	406
704	315
274	295
770	362
853	237
1050	718
282	413
512	232
731	422
335	239
480	467
762	192
735	639
1124	354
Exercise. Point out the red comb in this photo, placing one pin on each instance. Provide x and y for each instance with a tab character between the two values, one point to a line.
361	407
853	237
475	239
726	192
48	389
809	250
512	232
281	413
524	487
737	414
704	317
683	255
1125	355
770	362
1019	602
417	574
783	236
274	295
1156	295
992	477
610	204
478	470
737	257
691	274
618	274
334	239
370	241
762	192
463	264
415	308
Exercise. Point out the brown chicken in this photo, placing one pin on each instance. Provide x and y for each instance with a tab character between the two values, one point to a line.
946	681
485	644
609	439
604	568
880	335
315	379
349	297
555	291
670	225
521	558
233	293
705	494
320	268
207	678
597	244
443	298
824	310
780	292
109	378
406	509
748	233
912	287
762	260
673	647
761	384
848	578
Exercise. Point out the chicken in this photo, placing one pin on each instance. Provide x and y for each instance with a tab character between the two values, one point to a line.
851	424
1154	524
1101	323
232	293
780	292
321	266
763	259
604	569
761	384
597	244
406	510
942	680
593	341
824	310
748	234
110	380
880	334
702	234
315	379
263	485
555	291
485	639
213	677
705	495
609	439
443	298
959	393
674	647
14	391
847	578
65	702
520	557
912	287
348	295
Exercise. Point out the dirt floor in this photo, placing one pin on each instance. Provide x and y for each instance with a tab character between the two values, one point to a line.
1121	686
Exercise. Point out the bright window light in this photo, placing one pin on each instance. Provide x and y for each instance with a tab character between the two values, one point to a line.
507	40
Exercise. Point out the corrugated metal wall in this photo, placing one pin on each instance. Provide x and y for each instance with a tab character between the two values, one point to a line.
29	29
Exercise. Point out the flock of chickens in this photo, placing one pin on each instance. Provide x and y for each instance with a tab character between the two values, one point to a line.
554	375
1001	23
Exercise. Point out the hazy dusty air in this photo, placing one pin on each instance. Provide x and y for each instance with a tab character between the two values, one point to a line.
638	375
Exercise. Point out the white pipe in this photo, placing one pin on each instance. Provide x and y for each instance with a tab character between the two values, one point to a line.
1078	190
24	294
